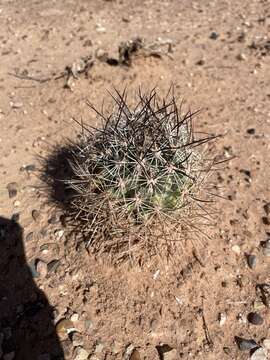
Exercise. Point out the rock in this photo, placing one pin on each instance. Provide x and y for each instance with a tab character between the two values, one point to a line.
16	203
41	267
64	327
54	219
241	57
33	268
81	354
251	131
265	293
267	244
77	339
171	355
59	234
29	236
35	214
214	35
266	252
200	62
222	319
266	344
266	220
88	325
135	355
258	304
87	43
252	261
44	357
74	317
166	352
53	265
12	189
67	347
28	168
16	105
9	356
99	348
236	249
245	344
266	208
100	28
255	319
259	354
15	217
129	350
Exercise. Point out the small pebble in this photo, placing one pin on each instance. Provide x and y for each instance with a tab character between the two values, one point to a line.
17	203
53	265
266	220
59	234
88	325
236	249
82	354
32	266
28	168
35	214
265	294
266	344
266	208
214	35
9	356
100	28
222	319
259	354
41	267
74	317
12	189
258	305
245	344
251	131
267	244
15	217
64	327
255	319
77	339
241	57
29	236
135	355
99	348
266	252
252	261
16	105
53	219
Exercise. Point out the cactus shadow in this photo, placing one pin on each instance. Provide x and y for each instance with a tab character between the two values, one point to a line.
55	172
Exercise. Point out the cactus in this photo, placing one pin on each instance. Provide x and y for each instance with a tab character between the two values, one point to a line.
141	167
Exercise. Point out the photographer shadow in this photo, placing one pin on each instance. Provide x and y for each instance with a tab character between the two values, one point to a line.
27	330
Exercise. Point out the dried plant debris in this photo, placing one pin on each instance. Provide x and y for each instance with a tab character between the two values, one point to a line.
137	181
130	48
80	66
261	47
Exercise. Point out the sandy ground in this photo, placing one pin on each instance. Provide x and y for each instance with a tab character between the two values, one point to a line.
219	61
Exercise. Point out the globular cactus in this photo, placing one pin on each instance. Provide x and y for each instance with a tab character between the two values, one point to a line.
142	166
